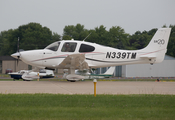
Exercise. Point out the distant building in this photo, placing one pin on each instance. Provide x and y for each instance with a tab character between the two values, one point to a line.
164	69
8	62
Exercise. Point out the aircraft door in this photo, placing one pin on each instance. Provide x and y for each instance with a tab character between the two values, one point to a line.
88	51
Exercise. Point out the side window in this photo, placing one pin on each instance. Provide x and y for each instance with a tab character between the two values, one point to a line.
86	48
69	47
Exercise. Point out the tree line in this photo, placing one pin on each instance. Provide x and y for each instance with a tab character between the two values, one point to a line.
34	36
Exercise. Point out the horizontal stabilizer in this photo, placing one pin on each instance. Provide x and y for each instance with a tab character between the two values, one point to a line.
150	56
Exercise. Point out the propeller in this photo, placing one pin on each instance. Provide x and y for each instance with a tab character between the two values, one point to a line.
17	55
18	45
18	52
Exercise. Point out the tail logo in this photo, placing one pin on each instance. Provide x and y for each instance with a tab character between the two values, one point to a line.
160	41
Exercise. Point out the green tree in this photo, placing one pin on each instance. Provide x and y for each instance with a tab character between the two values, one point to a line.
56	37
4	43
12	41
77	32
98	35
118	38
140	40
32	36
171	43
101	34
66	37
93	36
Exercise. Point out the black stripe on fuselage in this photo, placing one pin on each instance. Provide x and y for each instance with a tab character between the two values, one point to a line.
110	61
48	58
90	53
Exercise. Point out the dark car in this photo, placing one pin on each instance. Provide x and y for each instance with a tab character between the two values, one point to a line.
8	71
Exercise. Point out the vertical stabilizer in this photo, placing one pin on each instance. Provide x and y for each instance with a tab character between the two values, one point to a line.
157	47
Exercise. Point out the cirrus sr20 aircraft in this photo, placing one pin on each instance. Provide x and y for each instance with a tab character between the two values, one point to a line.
81	55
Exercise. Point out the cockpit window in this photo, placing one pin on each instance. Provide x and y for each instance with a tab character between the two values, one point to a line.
69	47
86	48
54	46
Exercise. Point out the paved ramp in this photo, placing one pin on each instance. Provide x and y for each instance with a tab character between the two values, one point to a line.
86	87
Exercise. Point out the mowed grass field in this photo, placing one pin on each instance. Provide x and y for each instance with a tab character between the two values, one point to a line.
86	107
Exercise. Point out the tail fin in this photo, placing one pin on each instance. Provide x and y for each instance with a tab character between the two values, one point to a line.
157	47
110	71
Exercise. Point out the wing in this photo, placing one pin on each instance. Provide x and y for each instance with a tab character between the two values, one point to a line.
74	61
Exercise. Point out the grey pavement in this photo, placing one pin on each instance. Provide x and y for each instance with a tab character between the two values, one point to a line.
87	87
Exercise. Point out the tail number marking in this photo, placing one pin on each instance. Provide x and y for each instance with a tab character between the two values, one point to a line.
160	41
123	55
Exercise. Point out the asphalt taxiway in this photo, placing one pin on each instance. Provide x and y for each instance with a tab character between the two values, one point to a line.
86	87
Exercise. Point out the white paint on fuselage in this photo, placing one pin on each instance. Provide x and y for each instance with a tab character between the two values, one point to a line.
102	56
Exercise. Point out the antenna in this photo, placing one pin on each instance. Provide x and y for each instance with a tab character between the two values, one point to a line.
86	37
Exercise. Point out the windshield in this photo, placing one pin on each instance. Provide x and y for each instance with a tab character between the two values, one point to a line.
54	46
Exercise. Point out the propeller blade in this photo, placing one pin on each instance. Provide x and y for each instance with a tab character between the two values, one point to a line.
18	45
18	60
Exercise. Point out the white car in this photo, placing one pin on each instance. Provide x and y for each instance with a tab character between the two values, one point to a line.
30	75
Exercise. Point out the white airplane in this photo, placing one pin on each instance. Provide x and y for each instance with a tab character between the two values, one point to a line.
73	54
85	74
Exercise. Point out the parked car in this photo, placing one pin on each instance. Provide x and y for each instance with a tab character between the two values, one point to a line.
30	75
8	71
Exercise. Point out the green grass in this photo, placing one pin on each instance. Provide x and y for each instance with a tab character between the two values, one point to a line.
78	107
4	75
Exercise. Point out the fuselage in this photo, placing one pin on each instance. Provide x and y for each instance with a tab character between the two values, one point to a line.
96	55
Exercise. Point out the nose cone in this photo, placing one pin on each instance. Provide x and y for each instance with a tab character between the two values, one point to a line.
16	55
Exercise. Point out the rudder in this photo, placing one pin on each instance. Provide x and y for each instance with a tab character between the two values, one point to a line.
157	47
